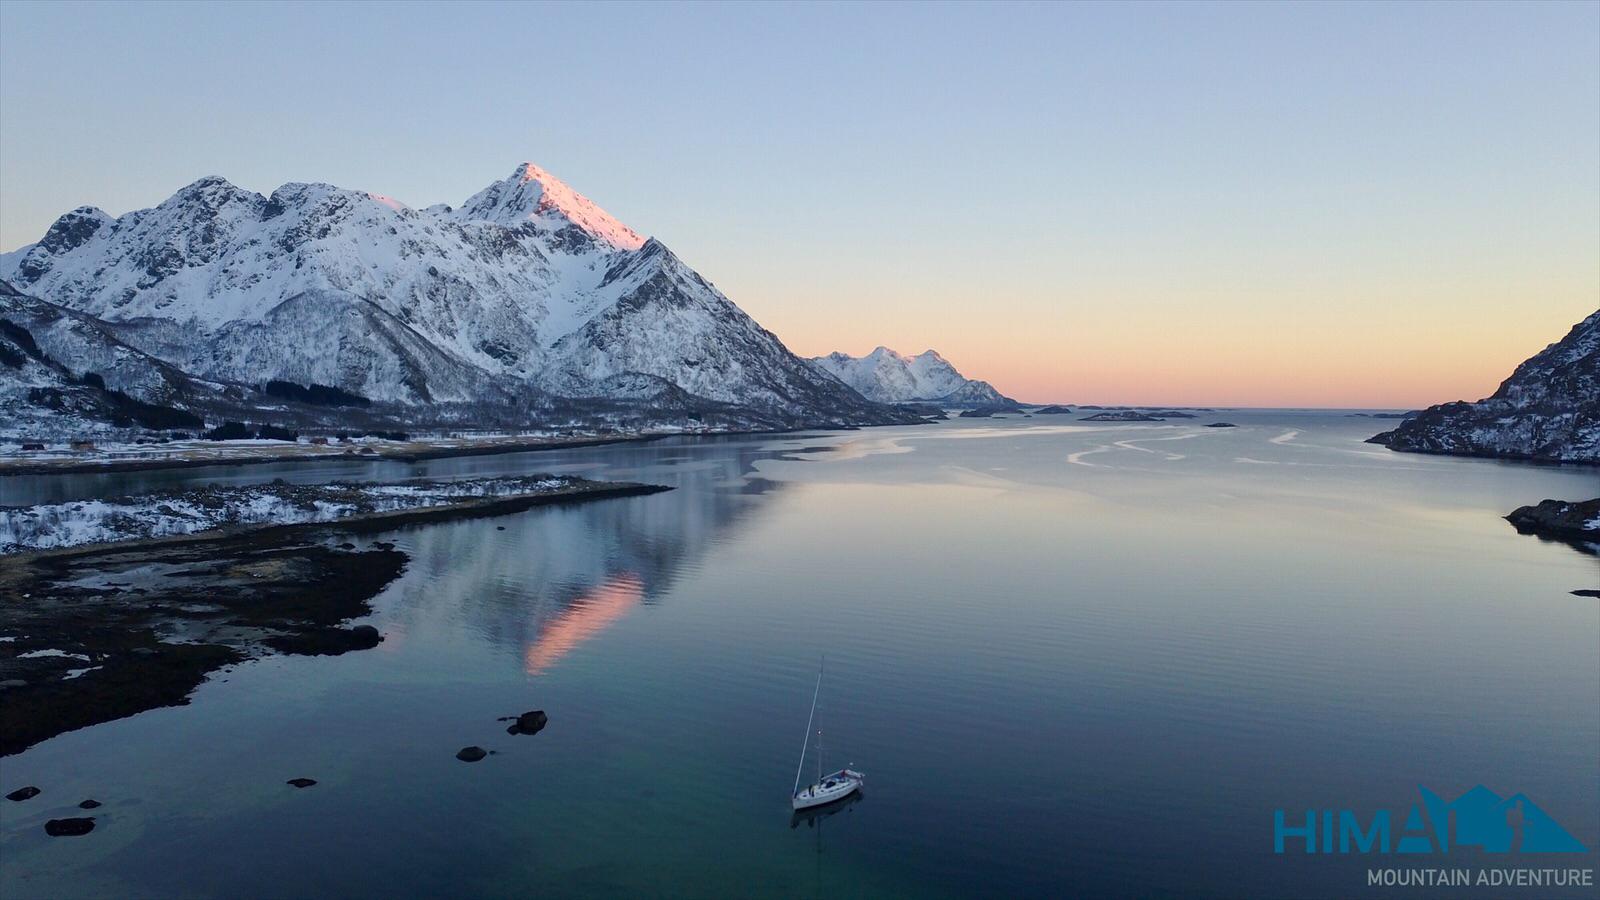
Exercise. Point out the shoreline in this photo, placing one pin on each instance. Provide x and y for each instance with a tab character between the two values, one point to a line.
1491	457
407	451
397	451
228	595
361	523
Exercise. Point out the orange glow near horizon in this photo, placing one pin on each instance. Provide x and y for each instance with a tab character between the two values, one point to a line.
593	612
1329	357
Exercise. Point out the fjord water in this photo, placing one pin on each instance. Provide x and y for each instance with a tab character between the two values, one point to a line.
1073	659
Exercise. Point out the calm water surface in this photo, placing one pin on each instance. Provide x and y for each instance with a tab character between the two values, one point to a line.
1073	660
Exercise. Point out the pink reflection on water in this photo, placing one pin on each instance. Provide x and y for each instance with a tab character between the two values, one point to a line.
590	614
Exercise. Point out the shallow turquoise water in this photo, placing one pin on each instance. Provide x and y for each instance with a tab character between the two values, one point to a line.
1072	659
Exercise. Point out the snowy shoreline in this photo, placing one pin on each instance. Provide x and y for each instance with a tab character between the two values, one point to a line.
201	513
60	459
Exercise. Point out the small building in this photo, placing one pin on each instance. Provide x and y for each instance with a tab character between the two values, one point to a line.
82	445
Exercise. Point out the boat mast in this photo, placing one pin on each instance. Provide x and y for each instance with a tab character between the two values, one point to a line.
802	767
820	664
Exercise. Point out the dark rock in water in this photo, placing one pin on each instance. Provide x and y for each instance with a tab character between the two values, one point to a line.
1576	522
327	641
302	782
499	528
24	793
1586	592
471	754
1124	415
529	723
976	413
69	827
1054	409
1222	425
89	804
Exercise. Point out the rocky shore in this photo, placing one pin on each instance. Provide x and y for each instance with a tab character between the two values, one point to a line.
91	632
1574	522
220	511
1548	410
61	460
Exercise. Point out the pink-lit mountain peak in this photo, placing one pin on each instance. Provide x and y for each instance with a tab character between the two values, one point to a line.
533	194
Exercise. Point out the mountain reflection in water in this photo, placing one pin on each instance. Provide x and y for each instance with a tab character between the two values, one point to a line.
556	578
590	614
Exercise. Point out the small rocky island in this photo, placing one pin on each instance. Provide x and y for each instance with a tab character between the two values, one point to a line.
1053	409
1121	415
1576	522
1548	410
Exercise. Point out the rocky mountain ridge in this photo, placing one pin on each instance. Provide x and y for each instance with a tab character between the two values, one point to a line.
889	377
527	298
1547	410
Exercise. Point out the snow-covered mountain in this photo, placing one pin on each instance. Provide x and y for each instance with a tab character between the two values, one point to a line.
1549	409
888	377
528	289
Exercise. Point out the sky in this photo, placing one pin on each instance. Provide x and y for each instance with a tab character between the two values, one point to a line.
1331	204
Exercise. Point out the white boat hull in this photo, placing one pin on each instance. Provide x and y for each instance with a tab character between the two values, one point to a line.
831	788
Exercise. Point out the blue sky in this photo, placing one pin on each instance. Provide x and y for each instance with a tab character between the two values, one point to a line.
1063	198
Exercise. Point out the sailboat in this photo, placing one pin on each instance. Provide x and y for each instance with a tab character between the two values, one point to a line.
828	788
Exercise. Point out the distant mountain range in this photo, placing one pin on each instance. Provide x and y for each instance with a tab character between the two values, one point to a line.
528	304
888	377
1549	409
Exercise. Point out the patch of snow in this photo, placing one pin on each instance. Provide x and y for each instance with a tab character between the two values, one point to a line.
41	654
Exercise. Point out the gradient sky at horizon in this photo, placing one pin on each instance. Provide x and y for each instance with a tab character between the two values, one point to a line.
1241	204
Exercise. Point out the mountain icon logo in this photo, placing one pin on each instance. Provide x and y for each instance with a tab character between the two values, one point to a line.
1481	818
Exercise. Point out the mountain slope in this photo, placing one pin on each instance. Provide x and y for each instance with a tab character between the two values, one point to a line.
888	377
528	288
1549	409
62	375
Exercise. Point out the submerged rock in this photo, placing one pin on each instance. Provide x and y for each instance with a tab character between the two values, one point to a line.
327	641
23	793
73	827
301	782
89	804
471	754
